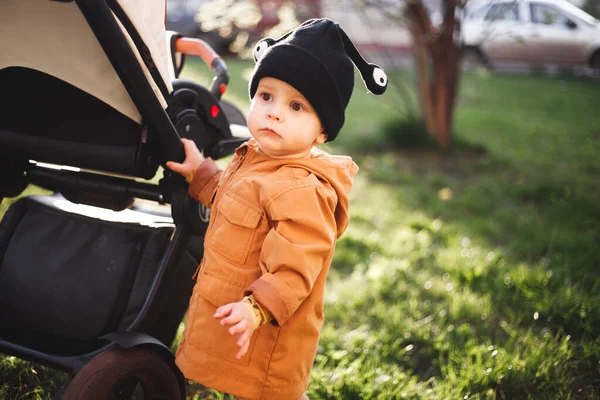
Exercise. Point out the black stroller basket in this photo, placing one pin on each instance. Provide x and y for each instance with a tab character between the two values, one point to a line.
99	273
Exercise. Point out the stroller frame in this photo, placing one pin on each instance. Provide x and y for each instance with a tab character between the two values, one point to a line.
165	130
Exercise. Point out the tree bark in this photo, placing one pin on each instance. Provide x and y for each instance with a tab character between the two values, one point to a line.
437	64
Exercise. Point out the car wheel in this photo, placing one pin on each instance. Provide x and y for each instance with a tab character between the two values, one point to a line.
136	373
595	61
473	58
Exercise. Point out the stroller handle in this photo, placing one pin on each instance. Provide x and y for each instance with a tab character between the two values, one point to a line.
202	49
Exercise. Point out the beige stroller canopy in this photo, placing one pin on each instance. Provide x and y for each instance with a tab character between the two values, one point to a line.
53	37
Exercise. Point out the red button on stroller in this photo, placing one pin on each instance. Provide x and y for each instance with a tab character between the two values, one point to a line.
96	278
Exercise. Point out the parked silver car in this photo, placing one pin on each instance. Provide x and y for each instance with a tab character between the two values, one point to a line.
536	32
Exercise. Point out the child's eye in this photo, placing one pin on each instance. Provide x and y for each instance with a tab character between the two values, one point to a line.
265	96
297	107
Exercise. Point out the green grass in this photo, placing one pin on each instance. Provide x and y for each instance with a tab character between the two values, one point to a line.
471	275
475	274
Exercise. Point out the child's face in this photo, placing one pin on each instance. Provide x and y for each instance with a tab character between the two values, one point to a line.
282	121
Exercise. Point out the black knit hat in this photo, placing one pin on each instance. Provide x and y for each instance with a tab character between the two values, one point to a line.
317	59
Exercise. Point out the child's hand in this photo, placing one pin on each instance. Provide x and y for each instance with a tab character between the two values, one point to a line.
239	318
193	158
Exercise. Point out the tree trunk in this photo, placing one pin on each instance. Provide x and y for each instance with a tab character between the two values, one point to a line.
437	64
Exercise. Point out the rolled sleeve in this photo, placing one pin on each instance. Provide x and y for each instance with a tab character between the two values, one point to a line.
296	249
205	182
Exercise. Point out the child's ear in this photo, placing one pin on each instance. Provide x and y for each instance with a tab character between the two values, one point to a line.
322	138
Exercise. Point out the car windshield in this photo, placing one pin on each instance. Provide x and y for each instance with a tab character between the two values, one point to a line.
578	12
503	11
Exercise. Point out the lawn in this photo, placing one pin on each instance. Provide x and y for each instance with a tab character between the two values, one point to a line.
469	275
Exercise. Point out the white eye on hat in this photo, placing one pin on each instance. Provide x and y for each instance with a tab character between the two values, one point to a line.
261	47
379	77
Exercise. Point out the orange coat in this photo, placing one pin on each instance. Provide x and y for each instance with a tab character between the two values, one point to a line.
273	228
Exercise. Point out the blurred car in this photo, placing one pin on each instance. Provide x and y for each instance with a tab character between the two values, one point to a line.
536	32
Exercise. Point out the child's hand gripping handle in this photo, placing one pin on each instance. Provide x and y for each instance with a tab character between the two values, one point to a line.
193	159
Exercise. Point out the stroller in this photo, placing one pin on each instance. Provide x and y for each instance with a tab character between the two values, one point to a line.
96	277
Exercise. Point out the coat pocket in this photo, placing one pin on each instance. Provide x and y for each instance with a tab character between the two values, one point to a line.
234	227
203	330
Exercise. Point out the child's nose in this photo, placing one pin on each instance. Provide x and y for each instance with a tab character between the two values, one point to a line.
275	112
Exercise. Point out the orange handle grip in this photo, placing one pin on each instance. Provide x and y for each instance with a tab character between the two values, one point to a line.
197	47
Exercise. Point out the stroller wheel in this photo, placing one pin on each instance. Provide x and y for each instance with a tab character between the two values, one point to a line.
135	373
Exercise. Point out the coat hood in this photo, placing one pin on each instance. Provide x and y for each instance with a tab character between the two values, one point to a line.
337	171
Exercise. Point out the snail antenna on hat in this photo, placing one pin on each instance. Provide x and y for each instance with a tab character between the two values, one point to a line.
373	75
265	43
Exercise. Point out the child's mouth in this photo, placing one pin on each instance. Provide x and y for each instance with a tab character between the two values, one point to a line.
270	131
